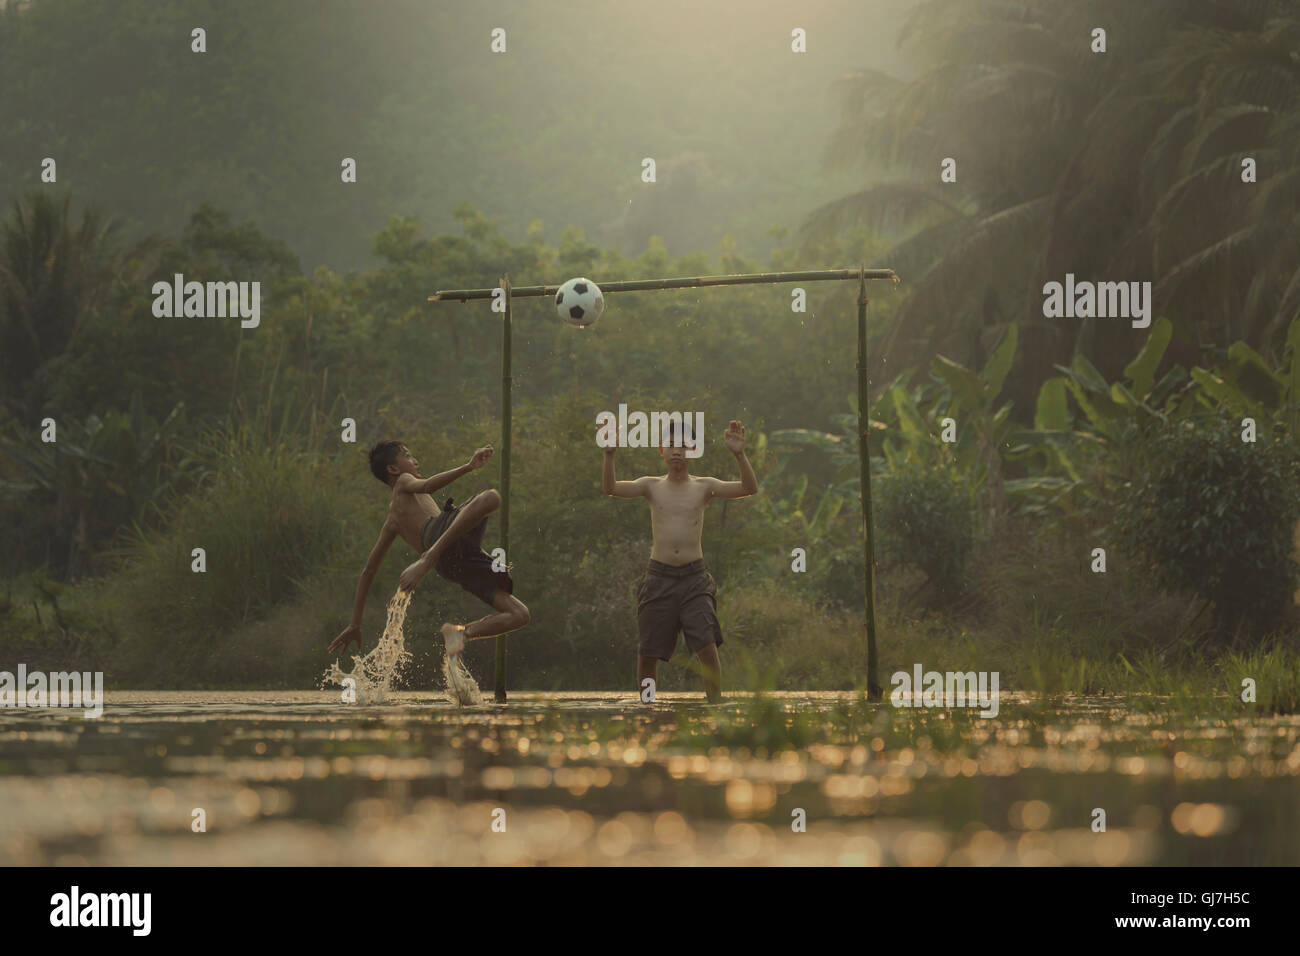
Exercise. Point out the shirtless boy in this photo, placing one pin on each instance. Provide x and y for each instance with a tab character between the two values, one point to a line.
678	592
448	539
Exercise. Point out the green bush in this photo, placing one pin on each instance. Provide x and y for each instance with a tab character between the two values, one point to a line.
1213	515
268	515
925	517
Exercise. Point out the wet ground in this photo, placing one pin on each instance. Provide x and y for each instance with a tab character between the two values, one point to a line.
213	778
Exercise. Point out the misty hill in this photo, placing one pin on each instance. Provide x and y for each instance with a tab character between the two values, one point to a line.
554	129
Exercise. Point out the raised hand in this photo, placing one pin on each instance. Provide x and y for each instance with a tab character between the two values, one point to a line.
735	437
480	456
600	427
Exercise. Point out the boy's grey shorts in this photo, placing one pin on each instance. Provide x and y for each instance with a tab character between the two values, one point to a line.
676	598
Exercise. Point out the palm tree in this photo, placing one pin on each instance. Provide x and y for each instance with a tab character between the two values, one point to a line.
1229	249
1156	188
1111	166
53	274
999	92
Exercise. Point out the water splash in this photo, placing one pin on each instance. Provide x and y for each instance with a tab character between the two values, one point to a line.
375	672
462	689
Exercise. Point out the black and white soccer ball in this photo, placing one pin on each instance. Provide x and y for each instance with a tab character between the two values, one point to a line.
579	302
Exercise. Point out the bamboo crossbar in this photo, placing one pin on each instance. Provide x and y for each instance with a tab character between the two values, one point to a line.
685	282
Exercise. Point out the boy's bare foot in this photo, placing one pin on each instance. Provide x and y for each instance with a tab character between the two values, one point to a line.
454	636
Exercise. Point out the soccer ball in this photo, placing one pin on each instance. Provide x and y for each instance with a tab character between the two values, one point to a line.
579	302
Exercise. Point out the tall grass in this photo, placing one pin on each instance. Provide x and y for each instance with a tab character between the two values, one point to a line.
267	516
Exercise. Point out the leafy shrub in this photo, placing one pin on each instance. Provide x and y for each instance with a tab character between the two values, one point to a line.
267	515
1213	515
925	517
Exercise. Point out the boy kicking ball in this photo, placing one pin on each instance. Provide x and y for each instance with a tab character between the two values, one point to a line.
448	539
678	592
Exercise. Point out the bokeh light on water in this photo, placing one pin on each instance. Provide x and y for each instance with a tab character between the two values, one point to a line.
599	779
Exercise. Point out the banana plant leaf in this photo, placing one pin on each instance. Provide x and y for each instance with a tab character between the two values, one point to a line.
1141	372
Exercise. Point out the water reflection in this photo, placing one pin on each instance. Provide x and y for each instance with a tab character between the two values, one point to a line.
820	779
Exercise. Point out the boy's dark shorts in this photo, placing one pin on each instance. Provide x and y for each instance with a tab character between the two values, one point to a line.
465	562
670	599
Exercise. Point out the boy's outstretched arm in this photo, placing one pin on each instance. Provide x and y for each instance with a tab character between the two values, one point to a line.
748	484
427	486
353	631
615	488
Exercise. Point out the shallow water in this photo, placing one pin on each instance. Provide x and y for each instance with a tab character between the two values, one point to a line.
286	777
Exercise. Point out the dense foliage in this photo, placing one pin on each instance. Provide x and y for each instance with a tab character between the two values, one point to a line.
1213	514
925	518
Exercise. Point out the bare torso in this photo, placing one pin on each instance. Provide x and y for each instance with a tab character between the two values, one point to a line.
407	514
677	518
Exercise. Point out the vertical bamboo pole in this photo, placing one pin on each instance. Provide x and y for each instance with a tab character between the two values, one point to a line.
864	486
499	664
